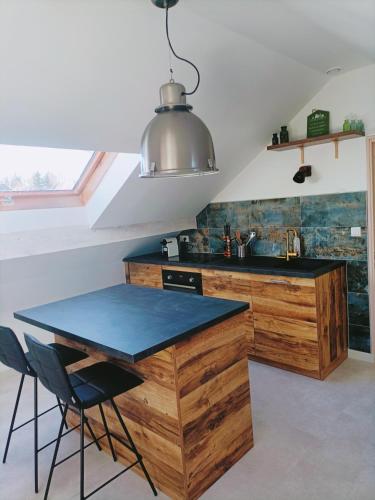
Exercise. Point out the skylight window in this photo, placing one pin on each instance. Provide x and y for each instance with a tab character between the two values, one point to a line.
35	169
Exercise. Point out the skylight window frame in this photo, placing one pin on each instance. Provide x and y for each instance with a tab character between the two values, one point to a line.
84	187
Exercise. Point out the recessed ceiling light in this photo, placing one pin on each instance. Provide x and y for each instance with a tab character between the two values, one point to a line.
334	70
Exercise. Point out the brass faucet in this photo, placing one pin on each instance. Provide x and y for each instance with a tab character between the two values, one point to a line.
295	235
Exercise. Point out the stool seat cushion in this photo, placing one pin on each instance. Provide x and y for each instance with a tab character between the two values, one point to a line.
68	356
97	383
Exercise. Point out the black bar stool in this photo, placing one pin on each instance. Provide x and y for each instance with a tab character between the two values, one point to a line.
81	390
12	355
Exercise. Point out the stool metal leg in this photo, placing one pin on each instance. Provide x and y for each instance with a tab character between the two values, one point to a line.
134	448
55	453
95	439
107	432
82	457
36	434
13	418
61	410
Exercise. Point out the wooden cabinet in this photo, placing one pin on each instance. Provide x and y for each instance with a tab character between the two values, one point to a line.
285	323
233	286
143	274
298	324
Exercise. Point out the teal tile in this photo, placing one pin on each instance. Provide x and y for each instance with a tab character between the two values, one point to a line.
334	243
359	338
238	214
271	241
275	212
357	273
202	219
358	306
334	210
217	214
198	239
234	213
216	240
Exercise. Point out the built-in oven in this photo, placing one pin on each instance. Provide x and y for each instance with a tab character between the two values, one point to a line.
181	281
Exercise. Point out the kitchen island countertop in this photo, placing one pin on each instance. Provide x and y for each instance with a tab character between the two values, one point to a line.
130	322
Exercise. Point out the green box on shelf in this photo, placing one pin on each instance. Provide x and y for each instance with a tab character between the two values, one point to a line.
318	123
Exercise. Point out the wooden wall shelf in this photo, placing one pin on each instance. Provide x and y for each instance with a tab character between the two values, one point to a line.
313	141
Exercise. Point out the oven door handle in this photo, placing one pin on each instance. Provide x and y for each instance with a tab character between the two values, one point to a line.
180	286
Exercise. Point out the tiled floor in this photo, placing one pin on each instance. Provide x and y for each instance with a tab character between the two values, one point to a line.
313	441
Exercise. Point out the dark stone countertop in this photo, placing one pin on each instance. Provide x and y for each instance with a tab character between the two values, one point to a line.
299	268
131	322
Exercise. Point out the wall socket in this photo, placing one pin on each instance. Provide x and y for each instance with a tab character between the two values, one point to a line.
185	238
356	232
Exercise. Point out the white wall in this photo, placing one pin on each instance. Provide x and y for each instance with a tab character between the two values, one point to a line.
30	281
14	221
270	174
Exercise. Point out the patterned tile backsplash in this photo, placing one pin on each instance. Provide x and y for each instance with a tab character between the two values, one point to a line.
322	221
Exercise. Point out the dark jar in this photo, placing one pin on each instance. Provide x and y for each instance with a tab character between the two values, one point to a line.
284	135
275	139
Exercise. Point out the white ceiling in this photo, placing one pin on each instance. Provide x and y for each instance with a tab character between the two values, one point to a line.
317	33
86	74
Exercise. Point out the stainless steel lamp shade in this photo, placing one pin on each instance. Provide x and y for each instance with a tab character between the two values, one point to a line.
176	142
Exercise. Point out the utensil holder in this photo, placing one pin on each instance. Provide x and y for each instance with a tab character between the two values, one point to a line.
241	251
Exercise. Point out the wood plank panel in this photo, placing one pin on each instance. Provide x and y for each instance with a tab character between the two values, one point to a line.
249	332
288	350
232	286
191	429
290	294
165	477
283	280
283	308
226	285
211	470
200	359
210	458
151	413
183	269
303	330
331	292
145	275
214	403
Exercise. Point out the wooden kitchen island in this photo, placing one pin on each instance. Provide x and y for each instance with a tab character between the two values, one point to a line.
191	418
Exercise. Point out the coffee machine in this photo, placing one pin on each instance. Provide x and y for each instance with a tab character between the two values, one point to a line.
169	247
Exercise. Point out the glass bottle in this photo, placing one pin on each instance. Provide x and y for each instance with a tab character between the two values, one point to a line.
284	135
346	126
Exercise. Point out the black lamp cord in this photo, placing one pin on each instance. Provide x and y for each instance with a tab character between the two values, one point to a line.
181	58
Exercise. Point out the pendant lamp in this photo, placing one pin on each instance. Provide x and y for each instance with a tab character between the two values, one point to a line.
176	143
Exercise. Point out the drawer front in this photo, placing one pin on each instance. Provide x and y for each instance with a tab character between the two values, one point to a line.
287	342
145	275
285	323
283	299
227	285
287	351
231	286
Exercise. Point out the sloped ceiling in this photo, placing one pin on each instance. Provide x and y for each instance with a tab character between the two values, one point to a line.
317	33
86	74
